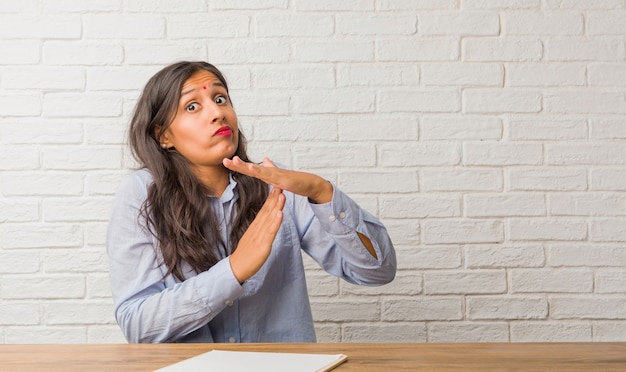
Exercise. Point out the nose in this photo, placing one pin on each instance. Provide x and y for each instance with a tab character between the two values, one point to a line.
215	112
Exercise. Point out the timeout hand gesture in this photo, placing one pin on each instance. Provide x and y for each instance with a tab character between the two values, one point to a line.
317	189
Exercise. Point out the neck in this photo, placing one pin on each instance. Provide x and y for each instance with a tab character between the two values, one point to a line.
214	178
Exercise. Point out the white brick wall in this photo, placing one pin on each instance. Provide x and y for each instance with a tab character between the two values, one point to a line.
488	135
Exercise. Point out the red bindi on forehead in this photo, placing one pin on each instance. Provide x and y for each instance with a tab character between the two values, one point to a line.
204	87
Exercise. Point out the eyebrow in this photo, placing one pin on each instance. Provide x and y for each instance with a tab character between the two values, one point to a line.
216	84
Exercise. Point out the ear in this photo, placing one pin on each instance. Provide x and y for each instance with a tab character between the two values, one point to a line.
161	137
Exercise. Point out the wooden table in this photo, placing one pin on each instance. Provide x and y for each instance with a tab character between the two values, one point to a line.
363	357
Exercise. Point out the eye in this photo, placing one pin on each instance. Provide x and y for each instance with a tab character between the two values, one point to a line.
192	107
221	100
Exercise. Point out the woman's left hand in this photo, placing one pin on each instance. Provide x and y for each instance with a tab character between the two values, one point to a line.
317	189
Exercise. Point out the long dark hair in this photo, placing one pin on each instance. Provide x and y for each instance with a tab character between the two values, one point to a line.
177	210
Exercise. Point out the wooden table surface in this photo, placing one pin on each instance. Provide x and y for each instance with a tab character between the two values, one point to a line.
362	357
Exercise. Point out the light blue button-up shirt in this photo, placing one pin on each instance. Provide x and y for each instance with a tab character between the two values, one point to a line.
271	306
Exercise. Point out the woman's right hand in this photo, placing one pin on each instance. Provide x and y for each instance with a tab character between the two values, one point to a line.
256	243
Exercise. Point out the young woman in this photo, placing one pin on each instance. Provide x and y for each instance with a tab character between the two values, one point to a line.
206	246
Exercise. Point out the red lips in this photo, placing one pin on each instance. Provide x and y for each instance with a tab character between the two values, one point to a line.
223	131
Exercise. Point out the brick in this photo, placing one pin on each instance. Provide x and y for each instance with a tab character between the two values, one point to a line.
330	5
381	127
582	153
426	100
587	204
79	6
465	282
335	51
19	158
321	156
547	179
545	74
384	332
19	211
611	281
577	49
98	26
98	285
607	230
118	79
166	6
102	183
402	231
105	335
46	78
377	75
270	104
95	233
58	184
464	74
81	158
607	129
322	101
22	52
81	105
546	229
468	332
507	255
72	261
301	129
322	285
501	101
502	153
245	4
608	179
583	4
547	129
606	74
293	26
26	6
506	307
501	49
401	49
550	332
461	179
429	257
461	231
76	210
509	205
20	104
374	24
227	52
42	131
378	181
17	314
106	132
345	311
403	284
79	312
415	4
501	4
584	102
40	235
433	206
328	332
586	307
466	23
45	335
551	281
19	262
292	77
585	255
543	23
82	53
466	127
162	52
38	287
40	26
193	26
606	331
426	308
606	23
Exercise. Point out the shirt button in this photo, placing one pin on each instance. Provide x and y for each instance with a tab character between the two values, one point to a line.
332	218
219	228
228	303
342	215
231	340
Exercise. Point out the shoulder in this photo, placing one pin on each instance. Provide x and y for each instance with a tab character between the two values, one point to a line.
135	184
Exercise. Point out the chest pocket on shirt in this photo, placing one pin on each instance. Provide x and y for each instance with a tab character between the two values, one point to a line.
283	266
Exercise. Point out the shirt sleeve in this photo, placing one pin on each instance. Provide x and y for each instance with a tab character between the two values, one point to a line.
328	233
149	307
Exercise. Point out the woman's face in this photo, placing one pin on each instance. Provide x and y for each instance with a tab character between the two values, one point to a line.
205	129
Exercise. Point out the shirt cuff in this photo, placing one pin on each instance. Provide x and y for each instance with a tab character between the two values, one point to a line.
229	288
340	216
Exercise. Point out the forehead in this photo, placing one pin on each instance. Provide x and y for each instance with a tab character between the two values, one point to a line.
201	77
